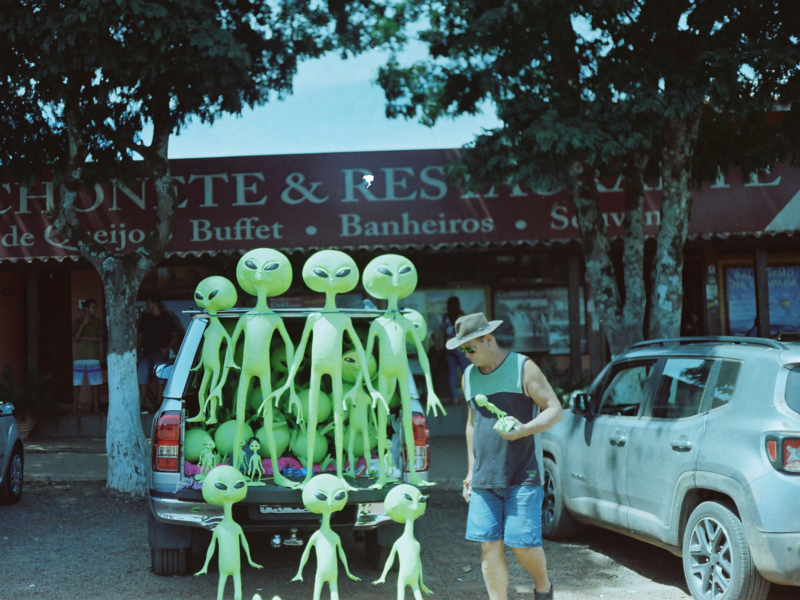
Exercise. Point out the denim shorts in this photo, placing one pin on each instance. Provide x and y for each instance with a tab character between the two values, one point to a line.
513	515
90	368
147	362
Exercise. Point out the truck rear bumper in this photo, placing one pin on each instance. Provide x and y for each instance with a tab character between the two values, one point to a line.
206	516
777	556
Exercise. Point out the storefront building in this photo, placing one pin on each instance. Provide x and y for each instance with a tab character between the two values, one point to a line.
512	251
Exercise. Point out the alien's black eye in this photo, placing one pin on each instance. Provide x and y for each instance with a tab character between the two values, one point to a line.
238	485
407	497
320	273
405	270
283	362
340	496
423	498
349	359
198	295
271	266
212	294
343	273
384	271
250	264
220	486
320	496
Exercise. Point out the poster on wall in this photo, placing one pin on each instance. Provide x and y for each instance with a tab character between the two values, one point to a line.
784	299
536	320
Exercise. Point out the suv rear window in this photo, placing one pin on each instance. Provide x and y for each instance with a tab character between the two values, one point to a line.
680	391
726	382
793	389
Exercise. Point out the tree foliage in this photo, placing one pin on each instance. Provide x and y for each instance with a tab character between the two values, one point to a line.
92	90
595	89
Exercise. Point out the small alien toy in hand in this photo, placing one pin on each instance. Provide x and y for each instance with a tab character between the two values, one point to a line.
504	422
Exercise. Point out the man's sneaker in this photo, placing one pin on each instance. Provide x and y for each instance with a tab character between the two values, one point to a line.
543	595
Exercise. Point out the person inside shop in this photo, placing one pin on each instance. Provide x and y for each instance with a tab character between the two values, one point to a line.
158	335
504	478
87	333
455	359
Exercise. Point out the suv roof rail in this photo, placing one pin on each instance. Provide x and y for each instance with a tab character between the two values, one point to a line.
728	339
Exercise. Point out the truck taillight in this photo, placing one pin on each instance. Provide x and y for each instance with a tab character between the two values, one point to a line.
167	442
421	449
783	451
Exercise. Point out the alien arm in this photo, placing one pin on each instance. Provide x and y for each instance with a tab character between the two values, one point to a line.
388	565
287	341
311	542
344	560
362	358
247	550
433	399
209	554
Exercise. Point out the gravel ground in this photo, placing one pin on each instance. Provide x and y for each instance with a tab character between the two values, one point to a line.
83	541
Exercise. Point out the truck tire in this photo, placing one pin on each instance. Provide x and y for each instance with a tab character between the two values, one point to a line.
11	490
557	523
169	561
716	557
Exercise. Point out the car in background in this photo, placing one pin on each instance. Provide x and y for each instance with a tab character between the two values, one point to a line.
692	444
12	457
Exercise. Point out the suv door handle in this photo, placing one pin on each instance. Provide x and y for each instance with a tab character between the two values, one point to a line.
681	445
618	440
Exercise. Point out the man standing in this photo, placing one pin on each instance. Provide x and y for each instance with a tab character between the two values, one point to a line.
158	334
504	478
87	333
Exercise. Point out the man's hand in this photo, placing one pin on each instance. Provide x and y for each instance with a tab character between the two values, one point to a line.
516	432
467	491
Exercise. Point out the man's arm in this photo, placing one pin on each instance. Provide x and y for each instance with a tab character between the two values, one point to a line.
470	456
173	339
538	389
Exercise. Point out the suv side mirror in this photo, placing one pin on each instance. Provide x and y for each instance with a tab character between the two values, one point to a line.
581	404
164	370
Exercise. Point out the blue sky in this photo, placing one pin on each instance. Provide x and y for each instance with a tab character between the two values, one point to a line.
337	106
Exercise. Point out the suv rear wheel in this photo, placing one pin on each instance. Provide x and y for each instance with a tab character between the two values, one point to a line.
11	490
557	523
169	561
716	558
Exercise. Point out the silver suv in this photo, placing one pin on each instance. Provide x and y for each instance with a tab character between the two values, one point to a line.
12	456
178	515
692	444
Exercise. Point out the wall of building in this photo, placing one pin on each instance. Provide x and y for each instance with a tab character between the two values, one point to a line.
13	319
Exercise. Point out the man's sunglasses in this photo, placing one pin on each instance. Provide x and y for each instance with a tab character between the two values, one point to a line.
467	350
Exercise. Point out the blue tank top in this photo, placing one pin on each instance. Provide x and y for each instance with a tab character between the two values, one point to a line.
501	463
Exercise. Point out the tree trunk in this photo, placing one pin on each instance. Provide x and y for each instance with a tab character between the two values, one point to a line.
126	445
666	301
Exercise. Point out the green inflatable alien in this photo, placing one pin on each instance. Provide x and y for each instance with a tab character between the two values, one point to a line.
324	495
391	277
213	294
358	404
331	272
208	459
263	273
225	486
405	504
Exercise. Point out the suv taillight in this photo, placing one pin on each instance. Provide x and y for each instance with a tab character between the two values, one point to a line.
167	442
783	451
421	449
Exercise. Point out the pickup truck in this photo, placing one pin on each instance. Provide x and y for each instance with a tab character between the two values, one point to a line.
179	519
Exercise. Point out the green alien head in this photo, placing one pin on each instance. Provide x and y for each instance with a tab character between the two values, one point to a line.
215	293
351	366
277	360
330	271
390	276
324	494
224	485
405	503
264	269
420	326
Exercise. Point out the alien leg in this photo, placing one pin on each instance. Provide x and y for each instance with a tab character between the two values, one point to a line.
319	582
401	588
311	423
203	399
237	585
351	436
383	479
221	586
333	584
273	451
338	429
241	402
408	433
